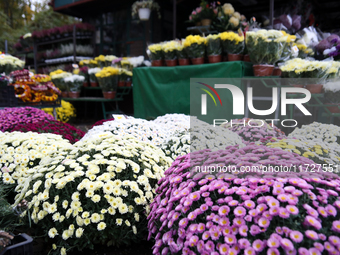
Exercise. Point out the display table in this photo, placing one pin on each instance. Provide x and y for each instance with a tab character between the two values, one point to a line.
161	90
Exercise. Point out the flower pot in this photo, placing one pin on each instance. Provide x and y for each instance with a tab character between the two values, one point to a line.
197	61
206	22
333	108
171	62
246	58
183	62
94	84
73	94
144	13
314	88
121	84
235	57
109	94
277	71
215	58
128	83
263	70
85	84
64	94
157	62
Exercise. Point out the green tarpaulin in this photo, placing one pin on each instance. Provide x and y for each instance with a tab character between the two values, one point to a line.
161	90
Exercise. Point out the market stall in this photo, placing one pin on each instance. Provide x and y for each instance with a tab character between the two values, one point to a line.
161	90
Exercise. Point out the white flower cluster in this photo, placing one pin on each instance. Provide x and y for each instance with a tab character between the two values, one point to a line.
143	130
174	122
177	145
104	185
332	86
10	60
74	78
328	133
136	61
21	151
67	49
205	136
94	70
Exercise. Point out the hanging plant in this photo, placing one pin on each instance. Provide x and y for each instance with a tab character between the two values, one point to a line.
144	8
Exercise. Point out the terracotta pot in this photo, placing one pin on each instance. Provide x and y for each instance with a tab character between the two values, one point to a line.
128	83
157	62
197	61
277	71
94	84
85	84
246	58
263	70
183	62
109	94
64	94
206	22
235	57
333	108
121	84
215	58
73	94
314	88
172	62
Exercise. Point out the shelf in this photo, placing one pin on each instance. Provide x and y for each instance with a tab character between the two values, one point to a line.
56	61
63	39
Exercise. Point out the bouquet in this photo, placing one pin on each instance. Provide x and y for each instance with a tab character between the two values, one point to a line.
265	47
155	52
194	45
74	82
304	51
84	71
109	59
334	71
232	43
125	75
228	19
108	78
64	113
213	44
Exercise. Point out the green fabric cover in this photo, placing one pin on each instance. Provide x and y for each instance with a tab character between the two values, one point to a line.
161	90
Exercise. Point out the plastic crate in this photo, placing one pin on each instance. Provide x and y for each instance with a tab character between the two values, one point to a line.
20	245
7	96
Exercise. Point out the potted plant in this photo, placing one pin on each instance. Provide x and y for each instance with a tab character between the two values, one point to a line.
144	8
195	47
207	13
156	54
265	48
232	45
332	95
170	50
310	74
57	78
214	48
108	81
92	75
182	55
74	84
